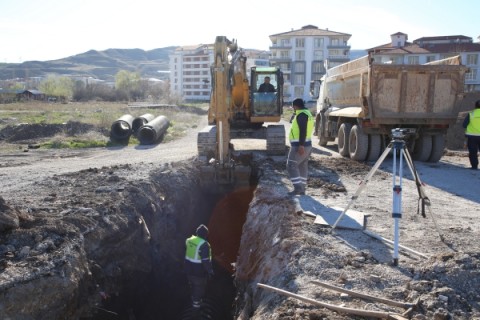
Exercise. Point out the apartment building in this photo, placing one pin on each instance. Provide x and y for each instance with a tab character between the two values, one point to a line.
304	54
426	49
190	72
190	76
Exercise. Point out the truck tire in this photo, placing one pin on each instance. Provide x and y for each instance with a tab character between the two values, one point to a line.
343	138
374	147
322	140
358	144
423	148
438	146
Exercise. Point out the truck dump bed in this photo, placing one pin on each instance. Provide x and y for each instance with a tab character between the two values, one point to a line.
398	94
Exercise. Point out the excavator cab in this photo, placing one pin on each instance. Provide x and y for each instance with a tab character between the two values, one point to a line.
266	106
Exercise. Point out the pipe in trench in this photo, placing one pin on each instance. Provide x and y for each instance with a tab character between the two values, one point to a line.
140	121
153	131
121	128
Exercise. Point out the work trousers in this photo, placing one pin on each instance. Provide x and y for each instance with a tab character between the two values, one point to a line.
198	287
473	145
297	167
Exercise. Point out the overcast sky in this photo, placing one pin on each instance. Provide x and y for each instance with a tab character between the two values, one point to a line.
54	29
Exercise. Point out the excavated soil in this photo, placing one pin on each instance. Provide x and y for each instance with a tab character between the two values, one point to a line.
99	234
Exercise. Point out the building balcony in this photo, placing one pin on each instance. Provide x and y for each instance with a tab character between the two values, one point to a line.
281	47
339	46
281	60
339	58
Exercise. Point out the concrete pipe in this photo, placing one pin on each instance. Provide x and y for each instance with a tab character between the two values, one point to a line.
153	131
141	121
122	128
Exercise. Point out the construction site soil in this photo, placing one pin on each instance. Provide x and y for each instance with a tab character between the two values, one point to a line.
99	234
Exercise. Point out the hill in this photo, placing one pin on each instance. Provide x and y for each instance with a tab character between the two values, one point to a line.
98	64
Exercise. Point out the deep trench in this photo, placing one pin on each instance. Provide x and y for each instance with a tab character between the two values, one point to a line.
167	296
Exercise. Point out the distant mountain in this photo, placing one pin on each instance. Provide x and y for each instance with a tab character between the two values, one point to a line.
98	64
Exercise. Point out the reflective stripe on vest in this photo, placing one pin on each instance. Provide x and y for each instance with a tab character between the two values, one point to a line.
473	127
294	135
193	249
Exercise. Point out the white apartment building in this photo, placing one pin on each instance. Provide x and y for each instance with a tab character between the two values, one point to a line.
190	76
426	49
190	72
303	54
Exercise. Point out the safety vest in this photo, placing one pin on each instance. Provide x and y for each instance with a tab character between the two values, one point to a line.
192	253
295	130
473	127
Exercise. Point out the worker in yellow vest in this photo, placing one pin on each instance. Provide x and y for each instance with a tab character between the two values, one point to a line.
198	264
300	146
472	132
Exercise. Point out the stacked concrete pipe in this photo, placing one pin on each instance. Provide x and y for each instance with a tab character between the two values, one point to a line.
153	130
121	128
140	121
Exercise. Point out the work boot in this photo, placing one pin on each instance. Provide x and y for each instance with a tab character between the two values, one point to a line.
196	304
297	190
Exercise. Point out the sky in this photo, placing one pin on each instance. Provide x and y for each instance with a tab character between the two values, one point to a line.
54	29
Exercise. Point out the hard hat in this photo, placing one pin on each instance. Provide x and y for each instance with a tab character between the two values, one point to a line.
202	231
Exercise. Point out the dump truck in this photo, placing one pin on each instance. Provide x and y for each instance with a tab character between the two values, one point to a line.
360	102
238	110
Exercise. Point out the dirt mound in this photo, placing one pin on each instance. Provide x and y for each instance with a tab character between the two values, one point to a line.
28	132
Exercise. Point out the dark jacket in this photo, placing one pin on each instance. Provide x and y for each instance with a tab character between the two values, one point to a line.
266	87
200	269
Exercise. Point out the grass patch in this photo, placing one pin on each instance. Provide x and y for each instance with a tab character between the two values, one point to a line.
99	114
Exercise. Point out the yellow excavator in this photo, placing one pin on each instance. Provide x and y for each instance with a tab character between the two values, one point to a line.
238	110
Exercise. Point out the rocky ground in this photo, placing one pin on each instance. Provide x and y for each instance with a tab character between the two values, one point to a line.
67	217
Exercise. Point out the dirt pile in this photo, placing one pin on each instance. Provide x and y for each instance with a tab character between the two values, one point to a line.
32	132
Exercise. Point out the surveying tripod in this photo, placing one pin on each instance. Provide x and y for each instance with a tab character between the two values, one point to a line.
398	145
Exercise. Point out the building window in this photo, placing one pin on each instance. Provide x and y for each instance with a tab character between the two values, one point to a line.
300	43
299	55
430	58
318	54
299	79
318	67
472	59
334	42
472	75
284	66
413	60
318	43
300	67
334	52
284	54
285	42
298	91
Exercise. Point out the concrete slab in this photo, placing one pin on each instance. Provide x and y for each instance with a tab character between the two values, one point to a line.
352	219
327	216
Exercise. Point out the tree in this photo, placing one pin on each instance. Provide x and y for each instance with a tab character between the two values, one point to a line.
127	84
60	87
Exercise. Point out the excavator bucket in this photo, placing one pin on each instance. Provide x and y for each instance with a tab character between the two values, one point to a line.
215	178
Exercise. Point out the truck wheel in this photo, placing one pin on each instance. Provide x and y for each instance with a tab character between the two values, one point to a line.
374	147
423	148
358	144
438	145
343	137
322	140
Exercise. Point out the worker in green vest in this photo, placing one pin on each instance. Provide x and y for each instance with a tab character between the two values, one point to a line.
472	132
300	146
198	264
